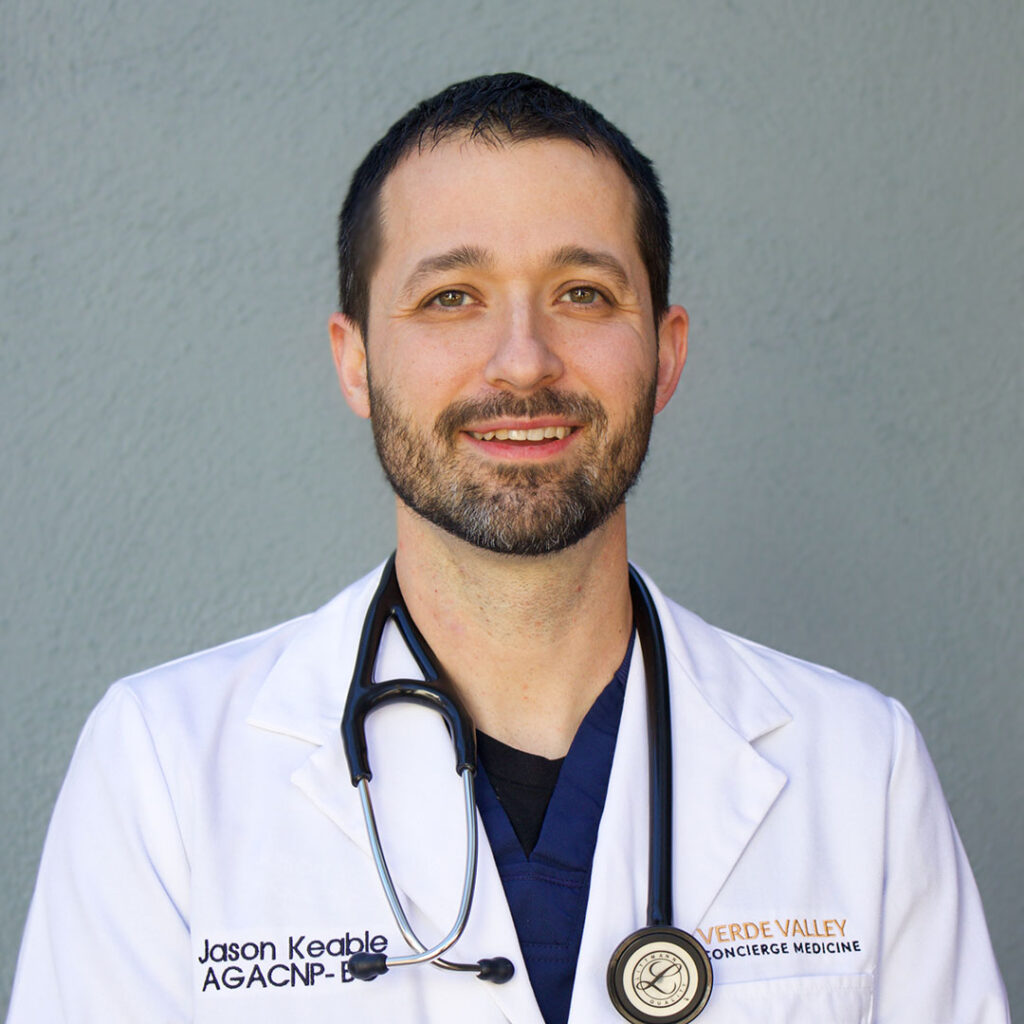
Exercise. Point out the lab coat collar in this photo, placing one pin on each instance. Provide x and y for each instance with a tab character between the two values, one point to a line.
715	665
304	693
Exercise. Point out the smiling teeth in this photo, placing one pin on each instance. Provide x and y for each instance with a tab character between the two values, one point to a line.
533	434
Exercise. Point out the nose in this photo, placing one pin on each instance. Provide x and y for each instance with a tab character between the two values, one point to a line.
523	358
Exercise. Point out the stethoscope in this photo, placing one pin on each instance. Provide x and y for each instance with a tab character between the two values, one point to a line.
659	974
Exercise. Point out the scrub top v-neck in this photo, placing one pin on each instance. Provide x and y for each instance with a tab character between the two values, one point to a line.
547	891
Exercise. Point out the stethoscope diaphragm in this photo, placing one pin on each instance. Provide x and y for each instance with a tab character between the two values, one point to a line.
659	975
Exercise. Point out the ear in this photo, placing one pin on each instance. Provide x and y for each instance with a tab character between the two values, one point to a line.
672	333
349	352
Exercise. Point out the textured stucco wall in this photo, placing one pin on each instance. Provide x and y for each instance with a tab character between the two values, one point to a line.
839	477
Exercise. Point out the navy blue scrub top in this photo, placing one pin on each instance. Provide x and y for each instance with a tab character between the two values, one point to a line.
547	891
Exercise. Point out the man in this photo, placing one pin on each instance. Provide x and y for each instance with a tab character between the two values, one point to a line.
505	327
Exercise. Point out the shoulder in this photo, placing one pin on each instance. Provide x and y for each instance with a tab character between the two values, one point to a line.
758	689
194	693
807	685
846	720
828	732
198	698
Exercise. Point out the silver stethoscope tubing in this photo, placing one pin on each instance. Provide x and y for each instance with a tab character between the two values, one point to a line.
657	975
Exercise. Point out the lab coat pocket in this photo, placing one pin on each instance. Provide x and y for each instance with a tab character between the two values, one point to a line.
837	999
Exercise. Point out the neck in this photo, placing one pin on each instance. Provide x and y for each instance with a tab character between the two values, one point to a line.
527	642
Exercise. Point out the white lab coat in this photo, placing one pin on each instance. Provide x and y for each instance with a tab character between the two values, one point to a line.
207	841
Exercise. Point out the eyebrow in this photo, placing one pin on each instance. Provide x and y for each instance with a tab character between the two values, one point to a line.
577	256
461	256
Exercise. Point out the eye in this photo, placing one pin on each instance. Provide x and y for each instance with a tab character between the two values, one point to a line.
582	295
451	298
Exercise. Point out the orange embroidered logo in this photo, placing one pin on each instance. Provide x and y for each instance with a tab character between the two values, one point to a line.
779	936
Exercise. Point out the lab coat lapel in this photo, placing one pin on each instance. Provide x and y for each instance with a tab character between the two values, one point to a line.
722	790
724	787
417	794
303	697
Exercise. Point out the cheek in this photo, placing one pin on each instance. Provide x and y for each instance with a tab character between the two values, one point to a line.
616	364
435	358
421	380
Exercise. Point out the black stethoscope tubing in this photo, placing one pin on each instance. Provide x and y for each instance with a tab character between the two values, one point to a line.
659	752
641	948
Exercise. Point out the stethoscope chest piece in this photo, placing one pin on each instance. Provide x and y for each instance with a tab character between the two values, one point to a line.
659	975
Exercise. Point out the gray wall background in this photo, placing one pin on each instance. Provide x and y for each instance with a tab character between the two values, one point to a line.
839	476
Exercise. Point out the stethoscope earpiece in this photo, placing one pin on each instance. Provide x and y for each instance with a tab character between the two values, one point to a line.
367	966
498	969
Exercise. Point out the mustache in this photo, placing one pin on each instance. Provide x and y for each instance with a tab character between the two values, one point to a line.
547	402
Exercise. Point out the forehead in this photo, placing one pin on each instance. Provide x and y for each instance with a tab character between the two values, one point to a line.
514	199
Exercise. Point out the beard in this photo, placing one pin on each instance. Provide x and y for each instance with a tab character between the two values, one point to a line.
513	509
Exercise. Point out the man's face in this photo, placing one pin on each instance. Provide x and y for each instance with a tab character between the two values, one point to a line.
513	369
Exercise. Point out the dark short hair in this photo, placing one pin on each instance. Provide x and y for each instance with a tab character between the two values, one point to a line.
494	108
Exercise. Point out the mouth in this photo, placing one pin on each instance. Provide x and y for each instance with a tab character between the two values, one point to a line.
532	442
527	434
